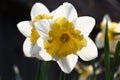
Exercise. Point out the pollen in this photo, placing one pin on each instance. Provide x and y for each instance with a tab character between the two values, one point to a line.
34	33
64	39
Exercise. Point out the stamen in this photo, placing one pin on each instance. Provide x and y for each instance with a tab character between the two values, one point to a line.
65	37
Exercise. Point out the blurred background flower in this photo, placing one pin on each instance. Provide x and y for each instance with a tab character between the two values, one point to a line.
113	33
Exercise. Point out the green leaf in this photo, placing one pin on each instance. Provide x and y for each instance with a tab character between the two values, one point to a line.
116	59
107	53
116	54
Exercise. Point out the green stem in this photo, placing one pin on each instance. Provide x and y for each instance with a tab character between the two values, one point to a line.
94	69
39	70
62	76
43	70
47	65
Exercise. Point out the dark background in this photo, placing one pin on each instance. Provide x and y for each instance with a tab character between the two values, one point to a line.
11	40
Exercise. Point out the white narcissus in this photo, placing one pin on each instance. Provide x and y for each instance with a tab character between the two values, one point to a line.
30	48
113	33
65	37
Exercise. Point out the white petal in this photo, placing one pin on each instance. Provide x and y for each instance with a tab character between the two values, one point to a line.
25	28
43	27
99	40
66	10
106	18
37	9
89	52
68	63
112	45
117	29
52	13
27	48
85	24
42	54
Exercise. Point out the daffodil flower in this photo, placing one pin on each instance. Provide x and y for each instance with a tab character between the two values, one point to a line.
65	37
86	72
113	33
38	12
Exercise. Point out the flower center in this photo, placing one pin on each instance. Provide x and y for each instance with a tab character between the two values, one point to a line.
34	33
64	39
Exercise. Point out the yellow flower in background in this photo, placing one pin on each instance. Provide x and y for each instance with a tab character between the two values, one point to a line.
38	12
65	37
113	33
117	74
87	71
